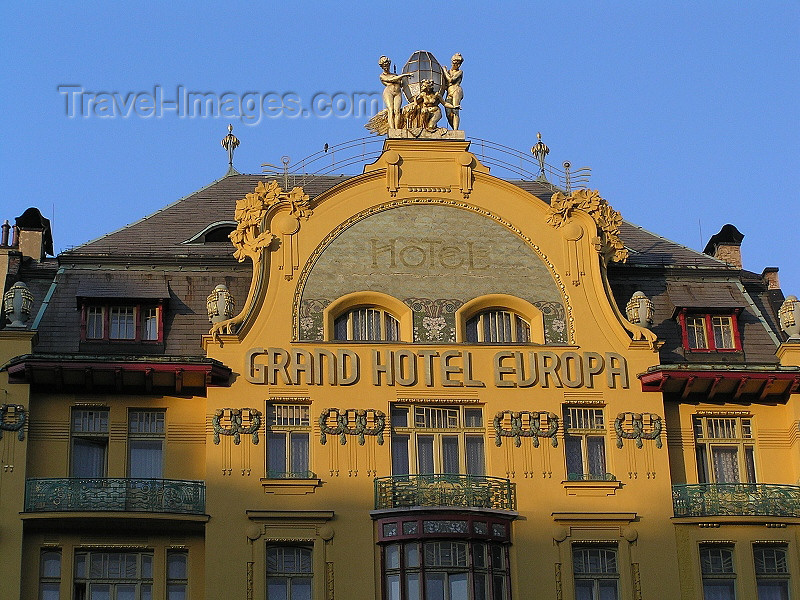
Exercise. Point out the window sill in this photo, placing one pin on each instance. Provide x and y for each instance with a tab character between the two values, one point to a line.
294	487
591	488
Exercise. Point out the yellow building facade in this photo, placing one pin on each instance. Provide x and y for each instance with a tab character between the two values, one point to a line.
437	384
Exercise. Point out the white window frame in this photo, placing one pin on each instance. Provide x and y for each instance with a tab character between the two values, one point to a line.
714	433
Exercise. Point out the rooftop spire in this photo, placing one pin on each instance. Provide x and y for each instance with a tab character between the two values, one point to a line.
540	151
230	142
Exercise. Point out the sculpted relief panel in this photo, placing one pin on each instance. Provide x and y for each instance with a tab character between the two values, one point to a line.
434	259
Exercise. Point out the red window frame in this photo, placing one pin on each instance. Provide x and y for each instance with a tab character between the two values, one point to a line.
709	330
139	309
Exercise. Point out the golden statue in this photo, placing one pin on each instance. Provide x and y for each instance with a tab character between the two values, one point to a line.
392	95
454	91
429	111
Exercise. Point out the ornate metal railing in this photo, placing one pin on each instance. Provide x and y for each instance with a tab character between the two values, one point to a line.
591	477
736	499
109	494
291	475
445	490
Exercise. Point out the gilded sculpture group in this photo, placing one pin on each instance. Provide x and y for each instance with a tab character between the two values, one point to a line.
424	111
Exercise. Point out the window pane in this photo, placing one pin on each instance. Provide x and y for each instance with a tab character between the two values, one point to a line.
434	586
150	324
458	587
723	332
94	323
88	457
399	417
99	591
696	332
146	459
176	565
425	454
51	564
412	586
596	448
393	587
773	590
751	464
726	464
301	588
340	327
392	328
608	589
176	591
472	330
277	588
392	556
702	473
128	592
399	454
450	454
475	460
122	324
718	590
276	453
49	591
299	453
480	586
574	454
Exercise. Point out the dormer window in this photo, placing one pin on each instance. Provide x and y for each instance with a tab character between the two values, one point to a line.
708	332
499	319
122	322
122	310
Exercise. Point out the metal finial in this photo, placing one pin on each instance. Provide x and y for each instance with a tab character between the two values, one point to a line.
540	151
230	142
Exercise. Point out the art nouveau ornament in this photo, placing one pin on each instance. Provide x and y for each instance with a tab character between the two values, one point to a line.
17	304
640	310
789	316
220	304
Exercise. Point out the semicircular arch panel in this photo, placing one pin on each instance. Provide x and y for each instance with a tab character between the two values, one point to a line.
434	258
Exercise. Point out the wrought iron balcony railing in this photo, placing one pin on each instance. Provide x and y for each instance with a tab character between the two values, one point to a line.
445	490
109	494
735	500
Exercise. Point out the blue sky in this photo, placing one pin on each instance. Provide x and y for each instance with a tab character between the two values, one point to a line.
687	113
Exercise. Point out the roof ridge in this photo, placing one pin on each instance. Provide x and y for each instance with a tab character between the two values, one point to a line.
661	237
151	215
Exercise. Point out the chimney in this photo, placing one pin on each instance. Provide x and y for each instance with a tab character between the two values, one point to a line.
770	278
35	239
726	246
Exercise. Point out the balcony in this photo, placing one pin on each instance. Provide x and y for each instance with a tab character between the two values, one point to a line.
736	500
115	495
445	491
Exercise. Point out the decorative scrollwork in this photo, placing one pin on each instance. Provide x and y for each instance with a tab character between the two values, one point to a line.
608	220
520	430
359	419
237	428
20	413
637	425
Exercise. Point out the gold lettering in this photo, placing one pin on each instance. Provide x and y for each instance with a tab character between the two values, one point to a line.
408	375
446	369
347	376
304	366
404	252
378	247
448	256
550	368
254	372
532	368
379	368
321	357
500	370
277	362
590	371
427	365
468	380
616	365
573	369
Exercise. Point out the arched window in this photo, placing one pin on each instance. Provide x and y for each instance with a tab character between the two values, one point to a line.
366	324
497	325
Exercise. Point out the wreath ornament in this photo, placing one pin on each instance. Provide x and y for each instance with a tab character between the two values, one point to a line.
637	424
518	430
236	428
359	418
